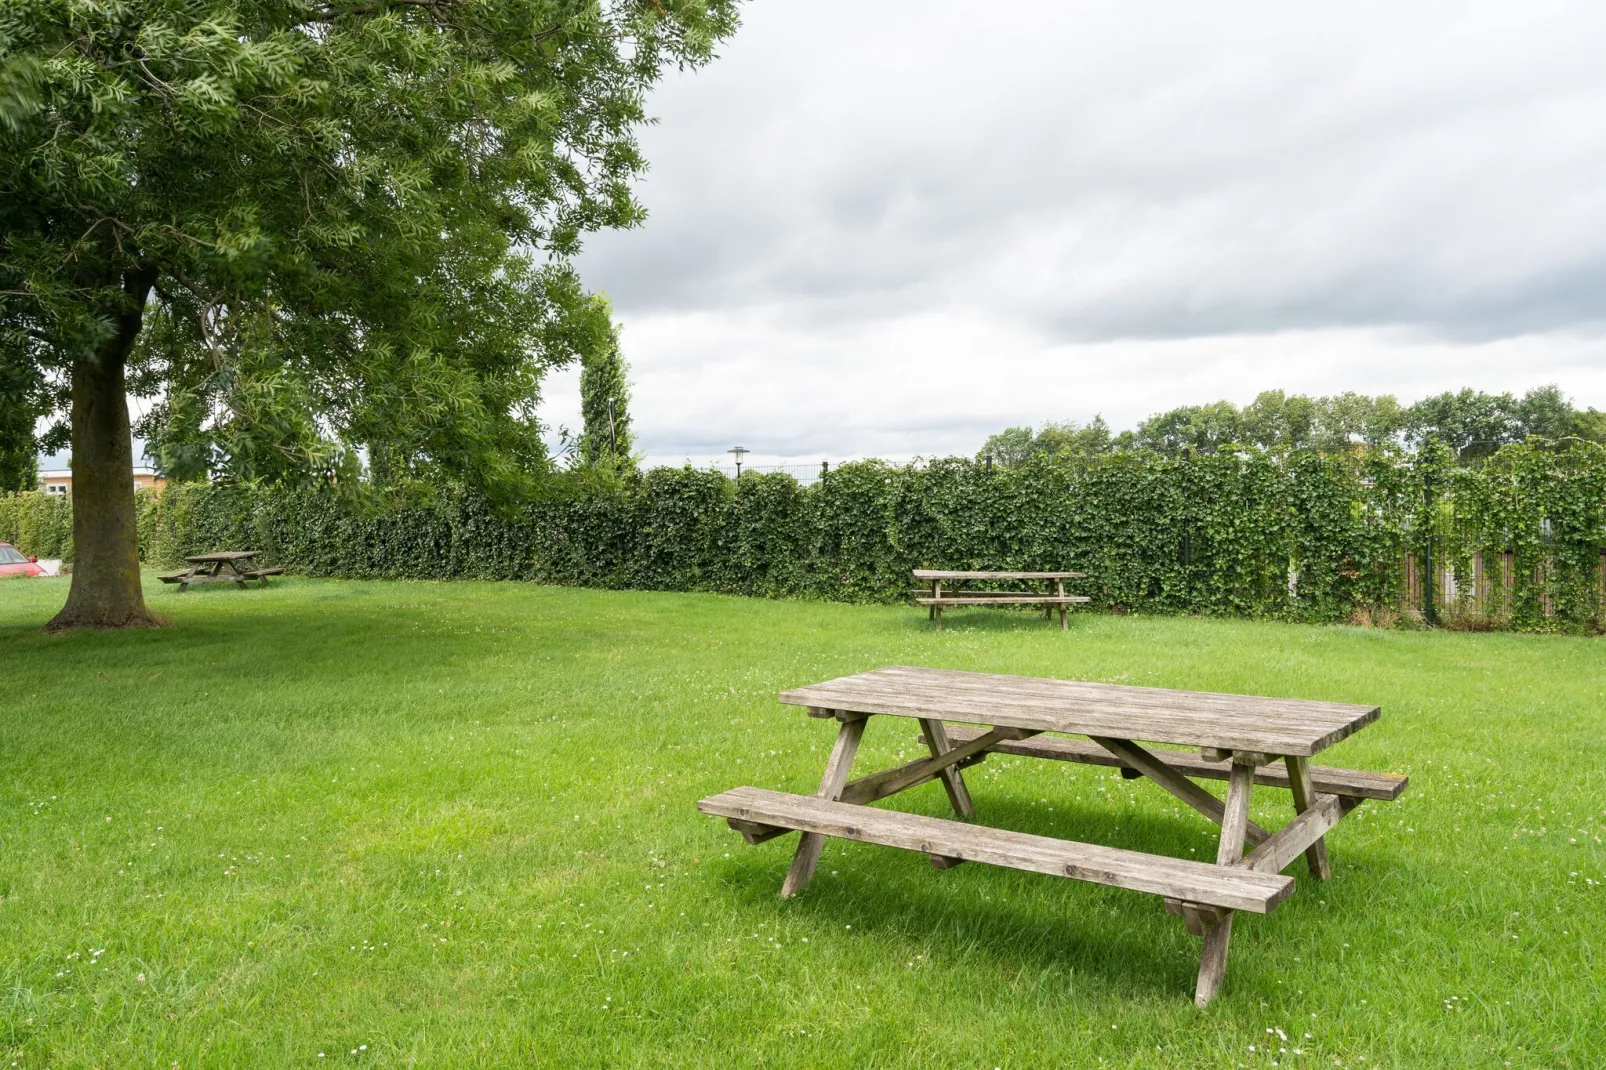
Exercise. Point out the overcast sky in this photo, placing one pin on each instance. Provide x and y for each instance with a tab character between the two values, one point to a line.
892	228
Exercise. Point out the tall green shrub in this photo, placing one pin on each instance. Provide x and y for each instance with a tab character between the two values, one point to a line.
37	523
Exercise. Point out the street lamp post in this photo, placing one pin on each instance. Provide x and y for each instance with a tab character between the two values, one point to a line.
738	452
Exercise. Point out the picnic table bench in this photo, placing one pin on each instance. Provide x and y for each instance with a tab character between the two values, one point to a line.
1244	740
1052	597
223	567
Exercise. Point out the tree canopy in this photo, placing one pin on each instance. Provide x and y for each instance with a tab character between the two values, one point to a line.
311	226
1471	422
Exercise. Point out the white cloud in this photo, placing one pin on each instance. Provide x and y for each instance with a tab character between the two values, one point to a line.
895	227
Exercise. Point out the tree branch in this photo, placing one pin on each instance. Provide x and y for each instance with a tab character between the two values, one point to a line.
329	12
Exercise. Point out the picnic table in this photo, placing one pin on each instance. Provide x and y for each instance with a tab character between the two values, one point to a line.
1247	741
222	567
1052	597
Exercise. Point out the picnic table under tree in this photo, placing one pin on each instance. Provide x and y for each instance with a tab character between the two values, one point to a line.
221	567
1052	597
1244	740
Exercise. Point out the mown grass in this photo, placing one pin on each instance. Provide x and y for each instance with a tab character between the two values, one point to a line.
446	825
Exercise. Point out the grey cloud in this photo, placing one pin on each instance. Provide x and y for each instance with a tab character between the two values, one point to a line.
1167	168
892	227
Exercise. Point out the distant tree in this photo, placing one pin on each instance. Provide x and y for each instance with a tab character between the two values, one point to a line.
1476	424
1014	445
310	226
1589	424
1275	420
604	393
1081	440
1545	412
1471	422
1200	428
1346	420
1011	446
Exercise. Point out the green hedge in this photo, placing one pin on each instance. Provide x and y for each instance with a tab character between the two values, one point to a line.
1300	536
37	523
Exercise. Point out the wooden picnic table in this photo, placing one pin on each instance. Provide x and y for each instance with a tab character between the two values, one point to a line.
1242	739
221	567
1052	597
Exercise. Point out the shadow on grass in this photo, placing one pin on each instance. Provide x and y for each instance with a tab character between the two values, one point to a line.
1014	920
1120	940
990	620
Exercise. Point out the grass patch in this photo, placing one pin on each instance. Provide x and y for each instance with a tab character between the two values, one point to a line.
453	824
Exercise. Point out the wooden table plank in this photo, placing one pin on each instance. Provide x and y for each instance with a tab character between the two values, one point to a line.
1155	715
938	574
1238	888
1354	783
966	599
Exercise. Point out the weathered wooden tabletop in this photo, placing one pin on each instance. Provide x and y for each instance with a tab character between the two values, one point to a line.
1274	726
225	555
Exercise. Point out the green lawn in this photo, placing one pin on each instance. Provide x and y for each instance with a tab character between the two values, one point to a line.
454	824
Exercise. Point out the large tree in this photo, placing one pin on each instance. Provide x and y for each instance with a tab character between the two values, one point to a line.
308	227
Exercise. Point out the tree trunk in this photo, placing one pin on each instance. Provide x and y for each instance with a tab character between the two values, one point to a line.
105	589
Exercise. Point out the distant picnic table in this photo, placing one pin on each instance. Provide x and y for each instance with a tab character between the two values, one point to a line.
1052	597
1242	739
220	567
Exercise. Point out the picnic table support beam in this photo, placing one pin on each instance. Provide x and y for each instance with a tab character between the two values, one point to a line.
1229	851
1304	798
1274	854
831	785
1168	778
953	781
1297	837
754	833
868	789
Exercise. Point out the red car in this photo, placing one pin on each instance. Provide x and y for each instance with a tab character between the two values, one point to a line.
13	563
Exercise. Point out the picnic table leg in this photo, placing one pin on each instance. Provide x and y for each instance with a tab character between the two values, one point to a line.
831	784
1059	589
1234	825
1144	763
953	782
1304	798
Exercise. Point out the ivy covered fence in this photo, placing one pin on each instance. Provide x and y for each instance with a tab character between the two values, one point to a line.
1516	541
